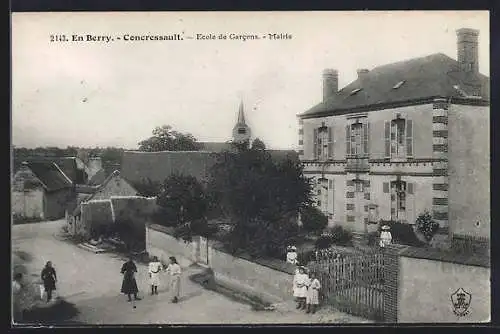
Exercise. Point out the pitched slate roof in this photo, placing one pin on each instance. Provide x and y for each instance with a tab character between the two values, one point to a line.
422	78
215	146
98	178
67	164
138	166
51	176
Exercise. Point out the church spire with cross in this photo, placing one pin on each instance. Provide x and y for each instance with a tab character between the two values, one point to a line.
241	131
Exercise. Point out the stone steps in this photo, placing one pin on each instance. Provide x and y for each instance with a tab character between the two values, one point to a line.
91	248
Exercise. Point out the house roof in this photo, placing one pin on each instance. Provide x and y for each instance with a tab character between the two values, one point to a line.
98	178
51	176
67	164
436	75
88	197
138	166
215	147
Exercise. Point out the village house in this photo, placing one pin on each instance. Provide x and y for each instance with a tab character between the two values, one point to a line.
404	138
113	186
41	190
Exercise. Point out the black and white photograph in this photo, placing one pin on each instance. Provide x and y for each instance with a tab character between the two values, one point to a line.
245	168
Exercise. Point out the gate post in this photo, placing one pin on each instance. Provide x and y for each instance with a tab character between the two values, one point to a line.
391	282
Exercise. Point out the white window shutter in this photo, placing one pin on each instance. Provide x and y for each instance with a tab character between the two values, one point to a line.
409	137
366	138
347	140
330	142
315	146
387	137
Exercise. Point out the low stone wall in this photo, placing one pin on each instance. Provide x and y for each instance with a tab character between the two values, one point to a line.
160	242
427	284
269	280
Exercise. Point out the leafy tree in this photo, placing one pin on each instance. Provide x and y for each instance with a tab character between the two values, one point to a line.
427	226
261	197
183	205
313	220
258	144
148	188
166	139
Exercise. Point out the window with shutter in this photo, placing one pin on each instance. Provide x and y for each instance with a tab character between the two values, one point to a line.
387	136
348	140
366	139
409	137
315	141
386	187
330	143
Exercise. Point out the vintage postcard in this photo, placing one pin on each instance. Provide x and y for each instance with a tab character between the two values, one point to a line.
250	168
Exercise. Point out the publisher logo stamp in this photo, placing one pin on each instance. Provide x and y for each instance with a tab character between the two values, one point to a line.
461	302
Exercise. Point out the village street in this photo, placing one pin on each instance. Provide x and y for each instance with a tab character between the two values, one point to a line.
92	283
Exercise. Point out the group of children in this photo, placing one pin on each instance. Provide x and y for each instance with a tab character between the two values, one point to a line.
306	290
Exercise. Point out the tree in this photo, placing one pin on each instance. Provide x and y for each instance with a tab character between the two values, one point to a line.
258	144
427	226
166	139
148	188
313	220
184	205
261	197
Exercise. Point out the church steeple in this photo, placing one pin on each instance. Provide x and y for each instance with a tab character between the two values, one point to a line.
241	131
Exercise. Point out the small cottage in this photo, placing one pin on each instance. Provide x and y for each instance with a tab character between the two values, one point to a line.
41	190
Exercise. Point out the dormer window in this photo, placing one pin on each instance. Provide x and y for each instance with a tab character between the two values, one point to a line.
399	84
355	91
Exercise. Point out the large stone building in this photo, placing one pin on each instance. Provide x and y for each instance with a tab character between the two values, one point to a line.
404	138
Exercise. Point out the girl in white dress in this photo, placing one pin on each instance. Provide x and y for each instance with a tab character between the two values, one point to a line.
155	268
175	278
300	282
313	293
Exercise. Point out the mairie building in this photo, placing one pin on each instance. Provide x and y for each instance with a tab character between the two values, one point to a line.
402	139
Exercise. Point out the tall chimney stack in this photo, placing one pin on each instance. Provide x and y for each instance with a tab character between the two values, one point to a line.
467	50
362	72
330	83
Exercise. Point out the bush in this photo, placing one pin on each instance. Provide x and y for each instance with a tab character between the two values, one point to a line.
401	233
313	220
427	226
324	241
336	235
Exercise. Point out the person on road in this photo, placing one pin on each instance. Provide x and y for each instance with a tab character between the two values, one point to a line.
175	278
49	279
129	284
155	267
16	296
300	282
313	293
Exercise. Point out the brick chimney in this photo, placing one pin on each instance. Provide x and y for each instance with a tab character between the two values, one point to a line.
362	72
467	50
330	83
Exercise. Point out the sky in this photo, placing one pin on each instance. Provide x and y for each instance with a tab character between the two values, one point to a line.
92	94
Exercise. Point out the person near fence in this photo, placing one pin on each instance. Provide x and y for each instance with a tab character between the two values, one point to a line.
385	236
129	284
300	282
312	299
291	255
174	270
49	279
155	268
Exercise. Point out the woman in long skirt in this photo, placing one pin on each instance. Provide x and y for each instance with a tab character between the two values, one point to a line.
49	279
175	278
129	284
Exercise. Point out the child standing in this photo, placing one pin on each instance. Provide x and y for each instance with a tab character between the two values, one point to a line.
300	282
313	293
